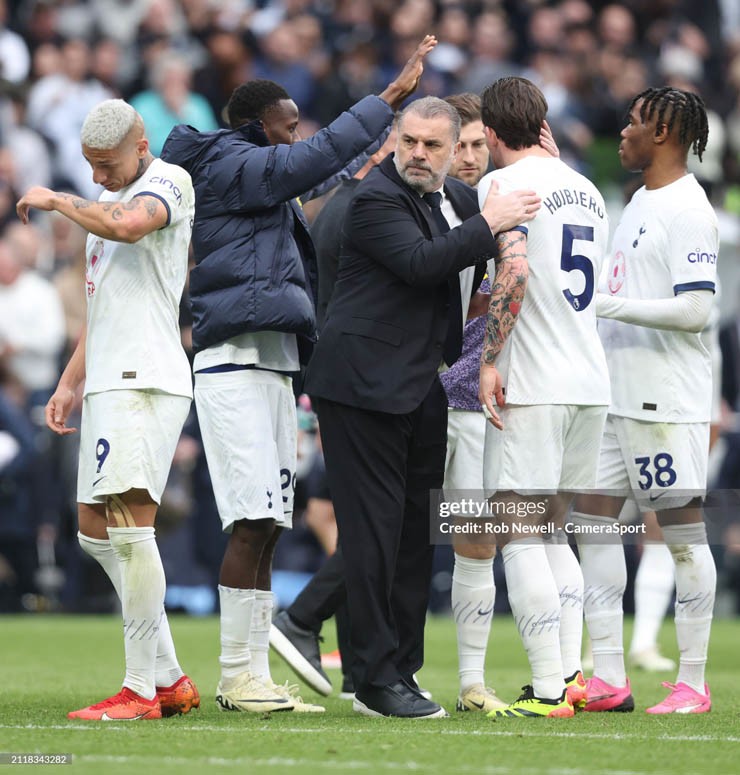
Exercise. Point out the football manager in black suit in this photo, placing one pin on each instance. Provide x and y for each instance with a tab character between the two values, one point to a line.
394	316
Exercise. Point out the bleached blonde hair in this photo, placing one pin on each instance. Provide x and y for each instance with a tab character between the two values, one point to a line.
107	124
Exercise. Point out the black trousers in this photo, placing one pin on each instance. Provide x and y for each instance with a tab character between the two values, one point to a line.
325	596
322	596
381	468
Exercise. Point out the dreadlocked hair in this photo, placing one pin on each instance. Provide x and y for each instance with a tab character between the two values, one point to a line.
674	105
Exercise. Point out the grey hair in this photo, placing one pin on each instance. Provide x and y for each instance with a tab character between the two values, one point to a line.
433	107
164	64
107	124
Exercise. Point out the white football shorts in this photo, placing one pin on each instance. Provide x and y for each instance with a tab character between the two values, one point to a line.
543	448
663	465
249	428
466	434
127	440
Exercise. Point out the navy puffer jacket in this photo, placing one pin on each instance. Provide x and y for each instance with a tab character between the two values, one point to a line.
255	264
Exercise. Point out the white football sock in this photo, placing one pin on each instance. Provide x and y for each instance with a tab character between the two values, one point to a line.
473	596
653	591
569	580
604	581
696	583
102	552
142	602
534	601
167	669
236	625
259	642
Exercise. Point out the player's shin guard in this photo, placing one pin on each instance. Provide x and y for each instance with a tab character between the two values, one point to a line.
167	669
142	601
236	624
103	553
535	604
473	597
605	578
696	582
259	641
653	592
569	580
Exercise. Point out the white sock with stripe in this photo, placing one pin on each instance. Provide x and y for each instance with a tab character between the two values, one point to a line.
535	604
473	596
167	668
604	581
142	601
696	584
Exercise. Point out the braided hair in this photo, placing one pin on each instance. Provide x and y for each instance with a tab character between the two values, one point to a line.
674	105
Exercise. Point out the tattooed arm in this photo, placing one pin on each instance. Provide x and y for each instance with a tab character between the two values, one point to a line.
118	221
507	295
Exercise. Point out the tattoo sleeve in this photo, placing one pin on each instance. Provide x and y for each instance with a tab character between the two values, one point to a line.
507	293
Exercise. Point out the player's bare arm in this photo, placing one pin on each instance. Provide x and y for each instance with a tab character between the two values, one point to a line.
60	404
408	79
507	295
505	211
118	221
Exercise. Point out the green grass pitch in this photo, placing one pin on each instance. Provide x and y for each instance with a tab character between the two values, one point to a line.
51	664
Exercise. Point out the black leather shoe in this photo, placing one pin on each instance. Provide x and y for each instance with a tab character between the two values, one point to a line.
299	647
413	684
397	700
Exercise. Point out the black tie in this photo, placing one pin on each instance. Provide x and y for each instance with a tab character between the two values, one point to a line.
453	343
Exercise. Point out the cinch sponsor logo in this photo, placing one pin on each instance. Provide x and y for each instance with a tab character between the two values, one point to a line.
165	182
697	257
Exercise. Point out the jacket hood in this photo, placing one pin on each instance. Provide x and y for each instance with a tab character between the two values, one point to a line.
185	145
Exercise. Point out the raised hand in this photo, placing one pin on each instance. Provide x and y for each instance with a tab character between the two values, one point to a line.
408	79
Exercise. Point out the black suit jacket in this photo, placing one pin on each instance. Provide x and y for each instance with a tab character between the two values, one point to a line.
381	344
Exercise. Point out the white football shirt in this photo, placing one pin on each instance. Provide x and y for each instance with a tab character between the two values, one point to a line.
134	291
553	354
666	242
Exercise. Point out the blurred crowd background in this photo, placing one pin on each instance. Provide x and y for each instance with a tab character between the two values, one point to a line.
177	61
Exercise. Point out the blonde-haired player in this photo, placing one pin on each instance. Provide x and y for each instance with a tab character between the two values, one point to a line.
137	389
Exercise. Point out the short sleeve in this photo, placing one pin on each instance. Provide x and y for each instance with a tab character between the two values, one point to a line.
173	187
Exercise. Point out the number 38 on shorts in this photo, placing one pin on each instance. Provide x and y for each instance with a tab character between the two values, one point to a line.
663	465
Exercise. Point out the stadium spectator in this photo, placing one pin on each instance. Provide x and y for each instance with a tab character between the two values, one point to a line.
57	106
137	389
15	60
31	324
18	518
171	101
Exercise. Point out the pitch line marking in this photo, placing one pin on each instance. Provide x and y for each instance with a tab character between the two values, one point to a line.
407	727
330	764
